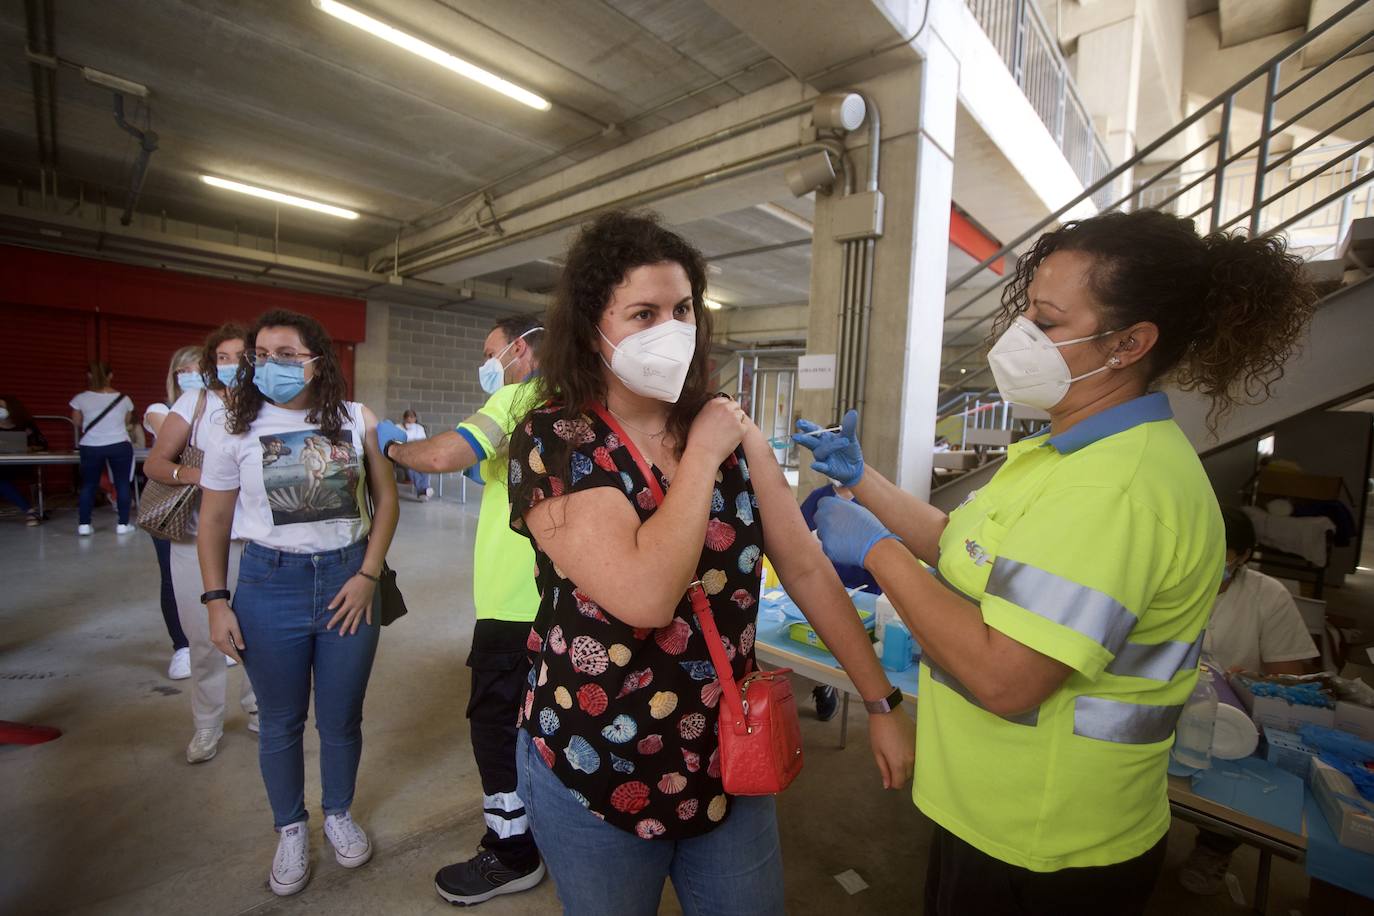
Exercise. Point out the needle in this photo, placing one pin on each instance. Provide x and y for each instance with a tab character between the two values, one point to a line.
786	441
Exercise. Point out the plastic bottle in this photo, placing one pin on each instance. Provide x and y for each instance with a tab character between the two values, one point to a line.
1193	740
884	614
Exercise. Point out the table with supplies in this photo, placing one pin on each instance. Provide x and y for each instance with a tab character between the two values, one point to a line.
775	646
41	459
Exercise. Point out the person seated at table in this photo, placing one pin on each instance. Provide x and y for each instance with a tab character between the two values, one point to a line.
1255	626
827	699
14	417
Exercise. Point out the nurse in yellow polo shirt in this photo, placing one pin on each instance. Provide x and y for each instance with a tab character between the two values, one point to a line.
1061	608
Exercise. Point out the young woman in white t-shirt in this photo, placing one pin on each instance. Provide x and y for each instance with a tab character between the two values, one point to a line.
292	458
212	373
183	374
102	415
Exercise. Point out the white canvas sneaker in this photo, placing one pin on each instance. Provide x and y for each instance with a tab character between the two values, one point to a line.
351	845
85	531
291	864
125	529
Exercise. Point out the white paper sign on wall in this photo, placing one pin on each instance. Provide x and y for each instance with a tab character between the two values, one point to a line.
816	371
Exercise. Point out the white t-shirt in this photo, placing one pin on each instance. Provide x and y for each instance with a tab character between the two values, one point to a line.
1255	621
415	432
155	409
298	491
110	430
202	437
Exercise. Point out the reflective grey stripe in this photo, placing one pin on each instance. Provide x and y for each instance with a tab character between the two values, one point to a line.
1159	661
1096	615
1123	723
489	428
939	577
941	676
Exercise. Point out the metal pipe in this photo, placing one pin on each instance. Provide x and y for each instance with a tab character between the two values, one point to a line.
854	251
1262	157
1325	201
1339	56
1222	137
559	154
682	149
690	183
147	144
842	342
865	321
875	141
1334	160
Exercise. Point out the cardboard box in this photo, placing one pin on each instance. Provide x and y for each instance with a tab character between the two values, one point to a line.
1351	817
1356	719
1286	751
1274	712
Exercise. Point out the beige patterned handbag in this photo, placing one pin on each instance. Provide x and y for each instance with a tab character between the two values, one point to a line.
165	510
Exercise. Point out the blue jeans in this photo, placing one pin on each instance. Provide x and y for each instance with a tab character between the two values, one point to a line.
12	494
420	480
735	870
120	457
281	602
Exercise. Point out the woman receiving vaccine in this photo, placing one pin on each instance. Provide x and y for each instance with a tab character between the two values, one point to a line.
1062	628
300	461
194	416
619	755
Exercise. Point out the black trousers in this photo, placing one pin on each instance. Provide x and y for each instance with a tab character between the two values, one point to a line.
500	670
963	880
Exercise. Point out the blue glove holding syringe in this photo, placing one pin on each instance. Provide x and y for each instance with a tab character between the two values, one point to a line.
836	450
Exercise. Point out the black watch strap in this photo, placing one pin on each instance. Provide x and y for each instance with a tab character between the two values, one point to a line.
215	595
887	703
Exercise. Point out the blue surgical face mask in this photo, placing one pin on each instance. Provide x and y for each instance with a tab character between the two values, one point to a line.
280	382
227	375
491	375
190	381
4	414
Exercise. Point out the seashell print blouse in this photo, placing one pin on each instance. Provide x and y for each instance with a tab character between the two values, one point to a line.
624	716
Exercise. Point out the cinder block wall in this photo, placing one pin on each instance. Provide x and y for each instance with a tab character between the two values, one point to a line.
432	360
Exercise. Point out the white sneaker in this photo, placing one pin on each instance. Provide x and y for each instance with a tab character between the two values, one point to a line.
253	725
125	529
429	491
180	667
351	845
291	864
230	661
85	531
204	744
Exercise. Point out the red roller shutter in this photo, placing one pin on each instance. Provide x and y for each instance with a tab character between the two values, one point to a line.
43	363
139	351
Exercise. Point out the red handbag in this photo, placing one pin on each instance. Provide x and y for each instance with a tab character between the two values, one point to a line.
759	733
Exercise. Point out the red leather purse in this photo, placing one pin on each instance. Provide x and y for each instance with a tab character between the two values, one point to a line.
759	733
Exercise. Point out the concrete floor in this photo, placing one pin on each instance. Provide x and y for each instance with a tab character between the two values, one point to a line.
110	819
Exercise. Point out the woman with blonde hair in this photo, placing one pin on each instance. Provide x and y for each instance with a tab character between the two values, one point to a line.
183	374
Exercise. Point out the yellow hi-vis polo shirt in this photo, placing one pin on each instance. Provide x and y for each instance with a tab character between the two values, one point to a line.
503	586
1101	548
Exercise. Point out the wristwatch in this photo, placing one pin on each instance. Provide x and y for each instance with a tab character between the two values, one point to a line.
215	595
887	703
386	452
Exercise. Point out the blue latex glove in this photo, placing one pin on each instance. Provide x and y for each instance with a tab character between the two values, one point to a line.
848	531
837	455
387	433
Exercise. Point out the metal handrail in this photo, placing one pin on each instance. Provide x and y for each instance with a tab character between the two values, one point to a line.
1027	45
1225	156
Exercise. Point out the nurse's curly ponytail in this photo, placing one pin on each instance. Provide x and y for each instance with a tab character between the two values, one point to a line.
1231	309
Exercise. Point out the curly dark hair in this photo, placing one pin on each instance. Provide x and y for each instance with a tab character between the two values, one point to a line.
570	367
209	366
1230	309
329	406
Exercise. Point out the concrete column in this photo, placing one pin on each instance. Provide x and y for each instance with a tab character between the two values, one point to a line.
370	360
1109	62
918	107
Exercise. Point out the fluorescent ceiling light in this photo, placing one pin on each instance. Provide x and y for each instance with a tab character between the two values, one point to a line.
712	304
430	53
278	197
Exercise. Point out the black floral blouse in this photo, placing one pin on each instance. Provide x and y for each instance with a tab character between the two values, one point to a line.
626	716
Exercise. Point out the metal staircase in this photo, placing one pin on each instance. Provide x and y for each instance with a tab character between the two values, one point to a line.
1226	182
